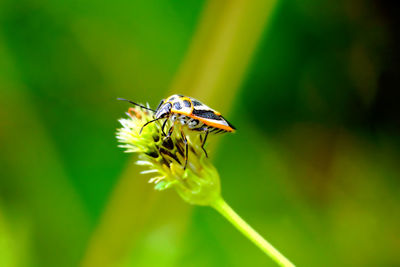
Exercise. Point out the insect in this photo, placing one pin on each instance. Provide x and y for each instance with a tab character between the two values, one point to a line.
190	112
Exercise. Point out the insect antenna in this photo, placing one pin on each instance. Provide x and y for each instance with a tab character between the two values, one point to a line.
133	103
149	123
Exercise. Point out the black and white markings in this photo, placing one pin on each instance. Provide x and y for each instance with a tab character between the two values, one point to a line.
197	116
206	114
187	103
196	103
159	105
177	106
174	117
192	123
183	119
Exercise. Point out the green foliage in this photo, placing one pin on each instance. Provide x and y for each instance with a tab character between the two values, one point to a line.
313	166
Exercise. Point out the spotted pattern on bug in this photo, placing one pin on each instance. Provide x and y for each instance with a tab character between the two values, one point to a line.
187	103
177	106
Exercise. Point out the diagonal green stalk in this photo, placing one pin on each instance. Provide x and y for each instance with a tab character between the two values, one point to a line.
223	208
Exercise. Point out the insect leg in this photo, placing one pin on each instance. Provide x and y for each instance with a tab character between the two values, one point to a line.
204	142
163	126
148	123
186	148
170	131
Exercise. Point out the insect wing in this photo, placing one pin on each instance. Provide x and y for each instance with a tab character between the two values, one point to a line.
211	118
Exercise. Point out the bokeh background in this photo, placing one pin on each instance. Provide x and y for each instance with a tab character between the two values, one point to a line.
312	86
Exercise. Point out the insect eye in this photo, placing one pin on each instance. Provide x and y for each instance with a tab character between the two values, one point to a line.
173	117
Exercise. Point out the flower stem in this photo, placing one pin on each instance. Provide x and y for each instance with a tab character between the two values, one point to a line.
222	207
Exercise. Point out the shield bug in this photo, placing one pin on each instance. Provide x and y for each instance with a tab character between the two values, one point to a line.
191	113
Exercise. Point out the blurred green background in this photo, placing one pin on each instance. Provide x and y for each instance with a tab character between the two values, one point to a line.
312	86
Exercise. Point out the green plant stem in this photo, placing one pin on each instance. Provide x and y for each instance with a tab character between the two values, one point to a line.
222	207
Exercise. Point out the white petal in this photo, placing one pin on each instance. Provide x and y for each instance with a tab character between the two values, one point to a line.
156	179
144	163
149	171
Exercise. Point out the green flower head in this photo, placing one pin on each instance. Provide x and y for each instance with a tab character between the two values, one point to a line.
164	157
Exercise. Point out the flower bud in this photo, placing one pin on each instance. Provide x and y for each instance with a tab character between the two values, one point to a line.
164	157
